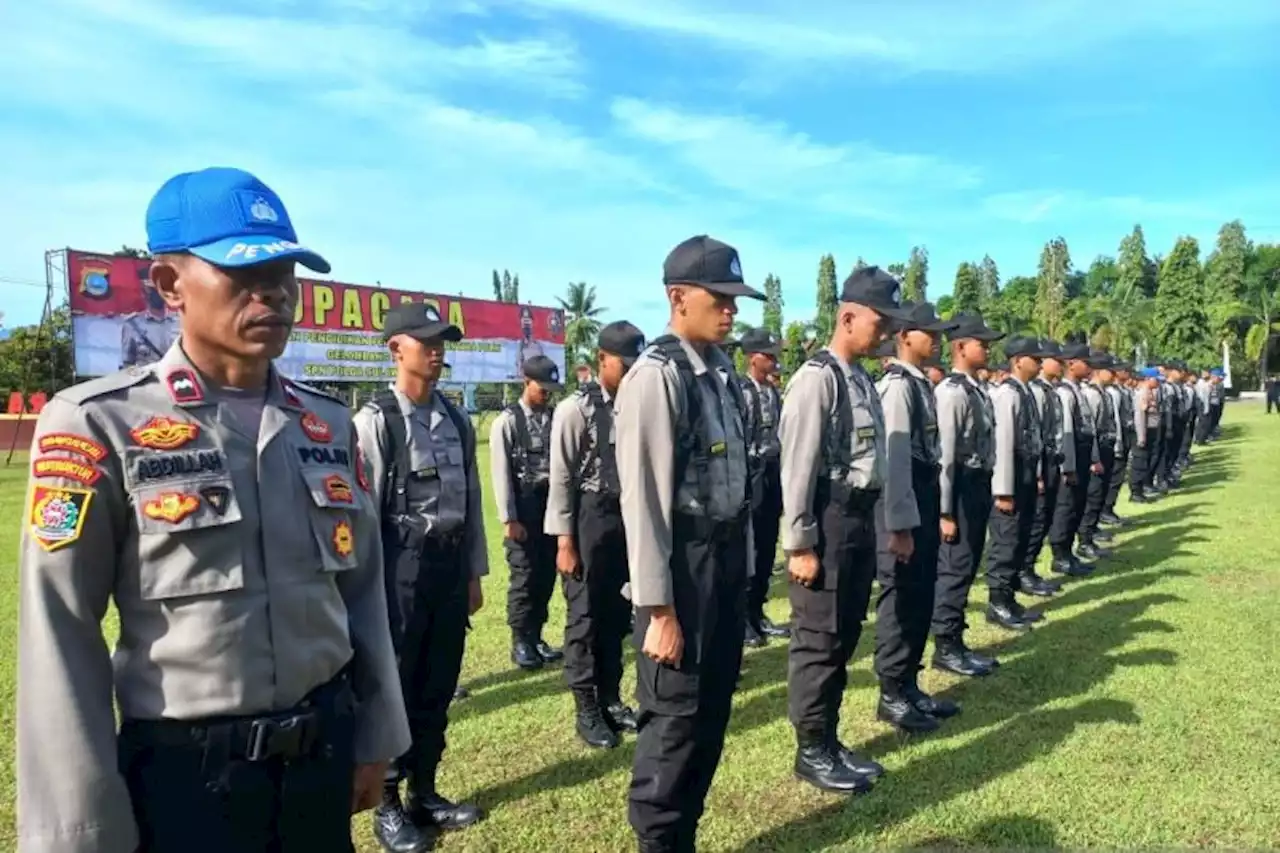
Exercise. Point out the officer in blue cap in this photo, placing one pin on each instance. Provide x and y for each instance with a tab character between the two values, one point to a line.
222	508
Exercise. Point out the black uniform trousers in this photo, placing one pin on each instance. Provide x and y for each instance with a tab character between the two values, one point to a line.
1069	511
435	635
958	561
684	709
1099	487
1188	434
1155	456
1204	424
194	788
765	518
1011	533
598	616
1140	467
827	617
1046	502
905	605
1172	448
533	568
1117	480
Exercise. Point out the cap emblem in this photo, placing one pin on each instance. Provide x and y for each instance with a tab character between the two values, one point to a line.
262	210
735	267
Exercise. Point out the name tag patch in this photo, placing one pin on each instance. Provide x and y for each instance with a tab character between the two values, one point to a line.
718	448
866	433
427	473
162	466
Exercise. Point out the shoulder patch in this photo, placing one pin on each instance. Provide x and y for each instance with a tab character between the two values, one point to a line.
72	443
82	392
316	392
56	515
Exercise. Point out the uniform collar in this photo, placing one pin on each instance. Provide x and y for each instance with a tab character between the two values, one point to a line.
188	389
407	406
909	367
845	367
972	380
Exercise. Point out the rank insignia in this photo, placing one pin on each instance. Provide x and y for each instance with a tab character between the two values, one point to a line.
183	386
337	489
73	443
315	428
164	433
343	539
57	515
171	507
56	466
217	497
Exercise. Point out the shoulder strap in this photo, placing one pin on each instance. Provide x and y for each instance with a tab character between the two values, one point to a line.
751	396
917	399
668	348
395	497
522	440
462	423
601	448
844	410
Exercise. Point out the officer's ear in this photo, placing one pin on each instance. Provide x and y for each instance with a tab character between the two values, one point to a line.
165	272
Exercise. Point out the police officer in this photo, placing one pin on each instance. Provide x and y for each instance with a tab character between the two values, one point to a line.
1108	436
1016	480
682	465
1204	407
1175	422
1122	399
1059	461
421	454
833	461
1071	497
254	671
591	555
909	503
520	463
1191	408
764	406
1217	396
967	447
1147	423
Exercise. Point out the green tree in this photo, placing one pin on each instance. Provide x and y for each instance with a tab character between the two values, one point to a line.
827	298
39	357
582	322
1224	269
796	342
915	284
967	292
946	306
1051	288
859	264
497	287
989	275
1181	324
1126	315
130	252
772	319
506	286
1101	278
897	270
1133	267
514	294
1262	297
1013	308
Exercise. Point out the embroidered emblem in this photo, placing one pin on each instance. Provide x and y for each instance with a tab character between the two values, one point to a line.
57	515
164	433
69	441
171	507
56	466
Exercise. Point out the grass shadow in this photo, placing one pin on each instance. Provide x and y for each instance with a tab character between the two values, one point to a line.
1010	832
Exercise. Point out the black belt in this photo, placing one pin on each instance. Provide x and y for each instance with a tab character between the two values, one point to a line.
612	500
451	539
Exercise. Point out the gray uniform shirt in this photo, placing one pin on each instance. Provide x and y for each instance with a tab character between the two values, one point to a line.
246	571
1146	414
898	401
1017	434
1077	415
504	444
648	415
1102	412
813	446
766	444
1119	408
443	484
1059	438
573	468
965	433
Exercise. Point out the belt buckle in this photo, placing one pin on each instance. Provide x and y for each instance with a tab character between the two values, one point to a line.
290	737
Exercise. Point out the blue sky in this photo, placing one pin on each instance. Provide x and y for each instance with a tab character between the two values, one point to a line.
422	144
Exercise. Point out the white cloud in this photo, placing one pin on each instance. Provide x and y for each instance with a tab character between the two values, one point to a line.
764	159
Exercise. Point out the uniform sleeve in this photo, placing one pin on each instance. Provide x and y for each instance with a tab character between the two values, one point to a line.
71	797
900	509
501	439
1068	429
567	428
645	424
382	729
474	544
804	414
1005	402
1117	412
950	423
1140	403
374	452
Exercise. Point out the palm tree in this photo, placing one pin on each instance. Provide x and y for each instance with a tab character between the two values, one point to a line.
583	323
1121	318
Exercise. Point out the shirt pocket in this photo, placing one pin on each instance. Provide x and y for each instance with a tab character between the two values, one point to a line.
332	515
864	432
188	543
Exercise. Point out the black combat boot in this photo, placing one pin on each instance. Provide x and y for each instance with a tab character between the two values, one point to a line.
873	770
1001	611
547	652
591	724
950	655
620	716
524	655
818	764
432	810
941	709
896	708
392	827
770	629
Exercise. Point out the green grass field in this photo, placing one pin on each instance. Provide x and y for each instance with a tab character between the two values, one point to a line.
1138	714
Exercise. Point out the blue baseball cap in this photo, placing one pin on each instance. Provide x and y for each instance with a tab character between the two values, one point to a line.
227	217
1150	373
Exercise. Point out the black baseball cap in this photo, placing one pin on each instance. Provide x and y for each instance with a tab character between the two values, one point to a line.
1019	346
1049	348
876	289
760	340
1075	352
707	263
887	349
966	326
622	339
544	371
921	317
419	320
1101	360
